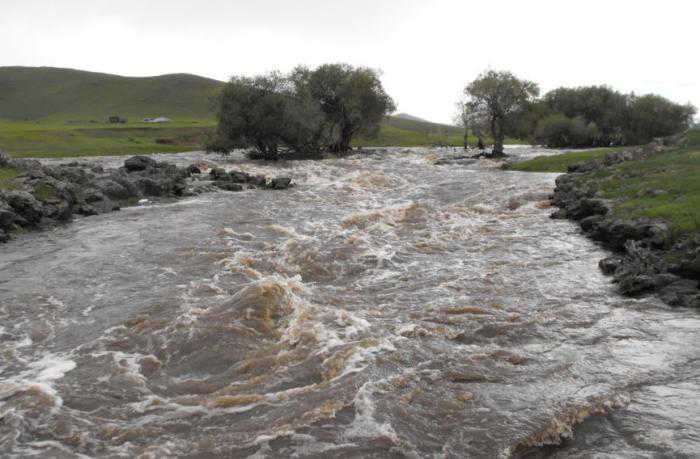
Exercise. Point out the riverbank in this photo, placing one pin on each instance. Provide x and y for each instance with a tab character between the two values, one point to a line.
36	196
644	204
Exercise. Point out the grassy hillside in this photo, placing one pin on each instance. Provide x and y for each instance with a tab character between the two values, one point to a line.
36	93
62	112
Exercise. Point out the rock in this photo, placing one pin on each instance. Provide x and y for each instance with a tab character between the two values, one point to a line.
279	183
633	285
4	237
4	158
7	216
218	173
610	265
590	224
25	206
193	169
139	163
587	207
258	180
228	185
114	189
239	177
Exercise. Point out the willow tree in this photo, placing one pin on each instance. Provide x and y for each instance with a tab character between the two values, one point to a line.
495	99
352	98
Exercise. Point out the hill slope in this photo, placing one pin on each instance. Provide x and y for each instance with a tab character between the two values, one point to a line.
62	112
32	93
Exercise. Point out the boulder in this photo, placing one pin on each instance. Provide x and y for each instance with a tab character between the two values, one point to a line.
279	183
587	207
114	189
193	169
610	265
218	173
239	177
139	163
7	216
26	206
4	158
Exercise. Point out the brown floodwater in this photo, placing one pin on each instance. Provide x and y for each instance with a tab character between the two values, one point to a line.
385	306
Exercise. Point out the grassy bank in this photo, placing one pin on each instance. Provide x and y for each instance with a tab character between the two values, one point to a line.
664	187
60	137
560	163
57	138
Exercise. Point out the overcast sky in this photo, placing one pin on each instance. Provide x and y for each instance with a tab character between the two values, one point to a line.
427	50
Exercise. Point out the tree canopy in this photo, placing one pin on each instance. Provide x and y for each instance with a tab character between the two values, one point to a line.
305	112
494	101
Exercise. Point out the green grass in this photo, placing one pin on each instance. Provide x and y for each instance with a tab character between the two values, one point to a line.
56	139
560	163
31	93
51	112
665	187
7	174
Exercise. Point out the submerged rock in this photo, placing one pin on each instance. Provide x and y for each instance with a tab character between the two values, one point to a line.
139	163
279	183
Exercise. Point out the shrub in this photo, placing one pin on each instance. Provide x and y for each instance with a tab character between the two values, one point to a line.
560	131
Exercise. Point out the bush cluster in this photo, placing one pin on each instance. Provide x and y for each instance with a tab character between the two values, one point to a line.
301	114
599	116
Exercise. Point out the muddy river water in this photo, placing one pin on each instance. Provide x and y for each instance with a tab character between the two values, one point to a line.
385	306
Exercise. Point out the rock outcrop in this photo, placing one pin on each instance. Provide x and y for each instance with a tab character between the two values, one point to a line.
44	195
647	257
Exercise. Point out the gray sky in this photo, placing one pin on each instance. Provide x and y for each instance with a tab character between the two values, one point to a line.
427	50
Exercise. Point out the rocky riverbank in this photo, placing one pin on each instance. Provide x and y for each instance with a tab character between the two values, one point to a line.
38	196
649	255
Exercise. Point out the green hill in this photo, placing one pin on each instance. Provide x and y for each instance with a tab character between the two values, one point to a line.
35	93
62	112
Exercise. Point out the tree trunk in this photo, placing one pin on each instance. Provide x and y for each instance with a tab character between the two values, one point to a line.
466	139
498	137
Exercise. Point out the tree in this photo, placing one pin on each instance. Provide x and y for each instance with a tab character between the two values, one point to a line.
462	120
652	116
352	99
269	114
494	99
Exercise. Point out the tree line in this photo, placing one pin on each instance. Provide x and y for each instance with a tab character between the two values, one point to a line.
498	104
301	114
307	112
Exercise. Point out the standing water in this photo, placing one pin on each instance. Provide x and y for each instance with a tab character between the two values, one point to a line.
384	307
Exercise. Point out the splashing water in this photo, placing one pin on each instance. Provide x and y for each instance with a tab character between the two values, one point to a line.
384	307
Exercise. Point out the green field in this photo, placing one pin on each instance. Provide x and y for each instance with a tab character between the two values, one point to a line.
50	112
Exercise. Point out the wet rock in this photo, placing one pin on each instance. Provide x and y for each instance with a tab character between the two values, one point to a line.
218	173
610	265
25	205
7	216
586	208
239	177
4	237
279	183
228	185
258	180
590	224
193	169
139	163
114	189
4	158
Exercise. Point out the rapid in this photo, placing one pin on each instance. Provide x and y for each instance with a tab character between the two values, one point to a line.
386	306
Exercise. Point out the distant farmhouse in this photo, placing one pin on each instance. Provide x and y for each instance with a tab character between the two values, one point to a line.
160	119
117	120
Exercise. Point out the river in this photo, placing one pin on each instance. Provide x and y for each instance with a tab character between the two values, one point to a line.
385	306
